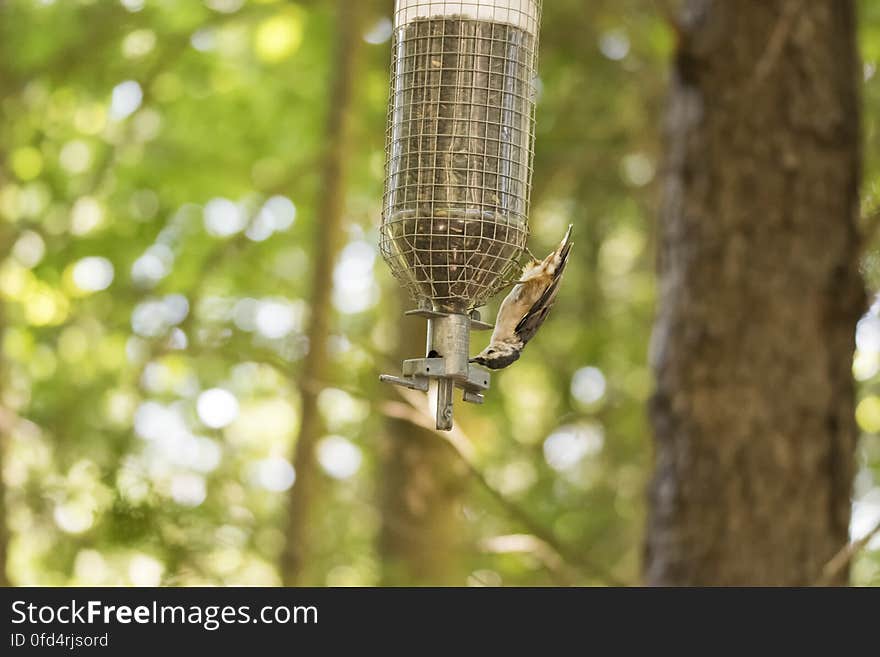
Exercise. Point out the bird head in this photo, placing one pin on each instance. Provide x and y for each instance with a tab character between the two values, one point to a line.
497	356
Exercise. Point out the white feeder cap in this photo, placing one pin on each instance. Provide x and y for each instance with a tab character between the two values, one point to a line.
521	13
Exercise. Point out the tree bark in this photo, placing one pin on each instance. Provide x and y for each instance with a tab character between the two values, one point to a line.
759	296
422	488
330	206
7	239
5	431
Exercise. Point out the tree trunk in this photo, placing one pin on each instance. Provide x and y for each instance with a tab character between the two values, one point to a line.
422	486
5	431
759	296
328	232
7	421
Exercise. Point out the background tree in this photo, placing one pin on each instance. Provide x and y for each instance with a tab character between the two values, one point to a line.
5	429
760	293
330	208
422	484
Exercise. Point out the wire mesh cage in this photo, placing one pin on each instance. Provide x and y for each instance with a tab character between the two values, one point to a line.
459	147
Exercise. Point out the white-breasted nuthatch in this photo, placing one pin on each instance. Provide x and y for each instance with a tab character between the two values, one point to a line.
525	308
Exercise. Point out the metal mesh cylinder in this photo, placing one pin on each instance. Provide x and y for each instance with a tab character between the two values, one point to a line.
459	147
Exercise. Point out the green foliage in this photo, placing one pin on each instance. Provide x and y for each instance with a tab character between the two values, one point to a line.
158	183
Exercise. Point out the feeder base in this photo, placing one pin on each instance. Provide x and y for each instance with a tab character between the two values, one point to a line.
445	366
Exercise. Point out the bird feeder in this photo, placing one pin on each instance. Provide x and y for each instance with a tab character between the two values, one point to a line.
458	170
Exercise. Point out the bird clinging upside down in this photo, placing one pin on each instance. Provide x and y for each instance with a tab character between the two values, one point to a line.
525	308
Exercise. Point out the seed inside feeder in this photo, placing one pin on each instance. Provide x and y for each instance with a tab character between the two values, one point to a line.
459	158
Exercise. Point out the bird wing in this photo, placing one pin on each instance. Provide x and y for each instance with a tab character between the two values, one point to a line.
527	327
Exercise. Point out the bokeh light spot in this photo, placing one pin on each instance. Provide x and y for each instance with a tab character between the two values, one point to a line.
152	266
614	44
93	274
125	100
225	6
280	36
217	408
144	570
86	215
868	414
223	217
568	445
354	287
638	169
27	162
588	385
138	43
275	474
276	318
74	517
188	489
76	156
29	249
379	31
339	457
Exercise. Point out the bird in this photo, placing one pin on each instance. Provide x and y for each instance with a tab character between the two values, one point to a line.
525	308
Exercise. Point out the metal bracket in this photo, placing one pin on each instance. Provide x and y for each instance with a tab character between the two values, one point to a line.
413	383
476	323
431	367
424	312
